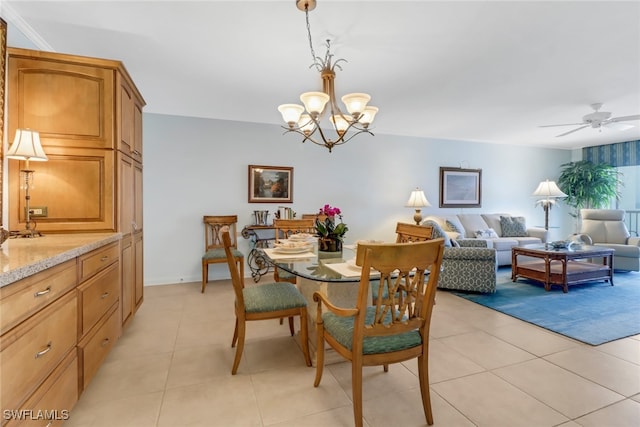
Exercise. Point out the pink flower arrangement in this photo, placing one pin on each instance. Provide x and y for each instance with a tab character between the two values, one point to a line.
329	211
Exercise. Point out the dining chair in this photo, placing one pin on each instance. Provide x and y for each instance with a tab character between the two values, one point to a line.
394	329
260	302
407	233
214	226
284	228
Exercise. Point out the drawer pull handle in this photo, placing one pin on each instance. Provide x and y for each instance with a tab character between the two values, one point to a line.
104	258
45	351
104	342
44	292
103	296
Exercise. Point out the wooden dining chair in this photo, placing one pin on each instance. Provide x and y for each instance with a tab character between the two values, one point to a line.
394	329
214	226
284	228
260	302
407	233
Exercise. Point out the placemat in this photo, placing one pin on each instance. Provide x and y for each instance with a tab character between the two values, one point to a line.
271	253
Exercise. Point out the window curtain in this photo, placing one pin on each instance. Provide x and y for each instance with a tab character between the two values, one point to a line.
619	154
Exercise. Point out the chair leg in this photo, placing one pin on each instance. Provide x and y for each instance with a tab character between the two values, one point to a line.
235	334
240	348
291	328
356	387
423	375
205	275
304	335
319	353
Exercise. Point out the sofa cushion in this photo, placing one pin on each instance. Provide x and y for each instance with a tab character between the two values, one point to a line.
513	226
527	240
493	221
454	225
503	243
472	223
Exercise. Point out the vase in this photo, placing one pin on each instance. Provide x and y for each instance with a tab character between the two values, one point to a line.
327	244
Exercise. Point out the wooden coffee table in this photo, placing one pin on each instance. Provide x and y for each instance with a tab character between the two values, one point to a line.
563	267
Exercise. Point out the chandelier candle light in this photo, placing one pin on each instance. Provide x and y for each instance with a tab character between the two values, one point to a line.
26	146
417	200
549	192
345	125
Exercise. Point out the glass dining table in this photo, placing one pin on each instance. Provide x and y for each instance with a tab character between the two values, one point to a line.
332	273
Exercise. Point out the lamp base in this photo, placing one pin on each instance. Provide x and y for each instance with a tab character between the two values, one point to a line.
417	217
27	234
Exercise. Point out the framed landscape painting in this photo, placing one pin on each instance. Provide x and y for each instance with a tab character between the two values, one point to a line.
270	184
460	188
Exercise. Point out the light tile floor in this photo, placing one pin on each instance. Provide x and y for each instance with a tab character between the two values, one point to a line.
171	367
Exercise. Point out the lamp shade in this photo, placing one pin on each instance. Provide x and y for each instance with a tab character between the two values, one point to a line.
26	146
549	190
417	199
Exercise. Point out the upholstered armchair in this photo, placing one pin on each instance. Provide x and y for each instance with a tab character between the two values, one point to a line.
606	227
468	266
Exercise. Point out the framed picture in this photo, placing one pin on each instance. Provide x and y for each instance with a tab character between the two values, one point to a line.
270	184
460	188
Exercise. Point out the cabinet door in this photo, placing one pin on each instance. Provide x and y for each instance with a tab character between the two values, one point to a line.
137	197
70	103
138	269
76	186
128	286
126	200
130	139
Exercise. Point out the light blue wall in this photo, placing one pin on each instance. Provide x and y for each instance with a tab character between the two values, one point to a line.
195	167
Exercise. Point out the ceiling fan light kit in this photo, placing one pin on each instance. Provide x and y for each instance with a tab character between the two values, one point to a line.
599	119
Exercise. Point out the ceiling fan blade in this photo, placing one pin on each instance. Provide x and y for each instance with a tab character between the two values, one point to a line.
572	131
566	124
625	118
617	126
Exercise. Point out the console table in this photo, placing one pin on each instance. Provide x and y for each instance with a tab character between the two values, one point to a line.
260	237
563	267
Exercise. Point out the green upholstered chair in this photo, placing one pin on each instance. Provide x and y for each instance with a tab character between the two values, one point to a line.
394	329
260	302
283	229
214	252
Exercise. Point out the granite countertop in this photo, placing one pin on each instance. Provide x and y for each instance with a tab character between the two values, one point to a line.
23	257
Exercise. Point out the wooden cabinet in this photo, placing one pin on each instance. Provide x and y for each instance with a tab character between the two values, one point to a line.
89	115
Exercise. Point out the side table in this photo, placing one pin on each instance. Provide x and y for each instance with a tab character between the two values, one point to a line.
260	236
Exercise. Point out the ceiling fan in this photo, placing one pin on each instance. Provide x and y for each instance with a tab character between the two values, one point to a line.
599	119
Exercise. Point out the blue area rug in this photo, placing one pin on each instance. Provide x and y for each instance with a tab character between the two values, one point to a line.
594	313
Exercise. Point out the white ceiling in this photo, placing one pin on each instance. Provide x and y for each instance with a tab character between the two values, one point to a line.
462	70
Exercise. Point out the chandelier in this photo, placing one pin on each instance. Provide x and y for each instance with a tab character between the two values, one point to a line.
344	125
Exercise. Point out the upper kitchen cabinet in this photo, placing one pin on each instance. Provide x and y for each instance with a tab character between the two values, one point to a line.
86	110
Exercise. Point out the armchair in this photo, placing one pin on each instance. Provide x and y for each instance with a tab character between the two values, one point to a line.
606	227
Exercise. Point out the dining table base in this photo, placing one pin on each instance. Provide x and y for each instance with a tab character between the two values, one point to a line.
342	294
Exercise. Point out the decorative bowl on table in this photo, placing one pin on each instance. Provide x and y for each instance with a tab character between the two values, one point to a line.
560	244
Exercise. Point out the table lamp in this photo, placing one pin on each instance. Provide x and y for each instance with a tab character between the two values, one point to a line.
26	146
549	192
417	200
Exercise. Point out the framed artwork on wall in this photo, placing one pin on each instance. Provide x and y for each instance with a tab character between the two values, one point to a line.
270	184
460	188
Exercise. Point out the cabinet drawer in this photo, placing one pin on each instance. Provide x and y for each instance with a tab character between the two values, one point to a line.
97	295
31	350
25	297
95	347
53	401
97	260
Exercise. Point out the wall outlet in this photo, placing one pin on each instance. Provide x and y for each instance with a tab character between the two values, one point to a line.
39	211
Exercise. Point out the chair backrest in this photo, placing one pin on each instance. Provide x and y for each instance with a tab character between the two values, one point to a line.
319	216
214	226
413	232
286	227
408	303
238	282
605	225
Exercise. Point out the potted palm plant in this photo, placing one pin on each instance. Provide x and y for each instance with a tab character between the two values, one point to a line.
589	185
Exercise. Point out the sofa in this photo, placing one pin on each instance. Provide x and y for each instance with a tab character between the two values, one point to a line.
499	231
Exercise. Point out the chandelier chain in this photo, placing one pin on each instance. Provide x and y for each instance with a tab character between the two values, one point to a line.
313	53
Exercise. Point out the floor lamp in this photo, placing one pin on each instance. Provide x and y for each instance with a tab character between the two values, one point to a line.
549	192
26	146
417	200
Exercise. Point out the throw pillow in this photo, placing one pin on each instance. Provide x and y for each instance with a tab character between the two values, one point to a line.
452	227
489	233
513	226
438	232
